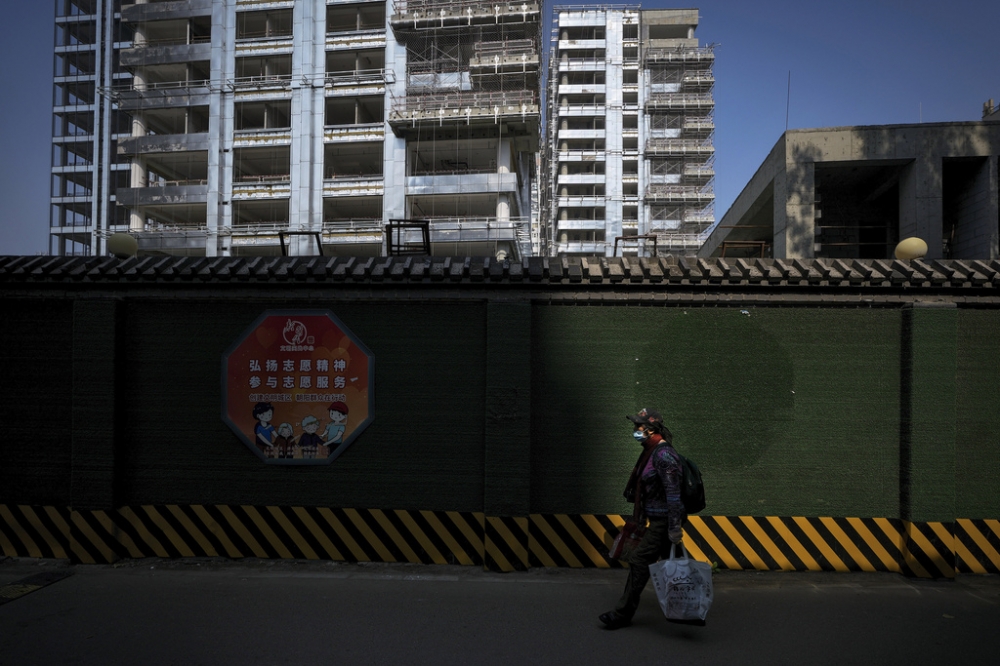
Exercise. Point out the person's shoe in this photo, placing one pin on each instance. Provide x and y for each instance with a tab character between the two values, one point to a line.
614	620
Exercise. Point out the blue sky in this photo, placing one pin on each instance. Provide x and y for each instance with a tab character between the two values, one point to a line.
851	63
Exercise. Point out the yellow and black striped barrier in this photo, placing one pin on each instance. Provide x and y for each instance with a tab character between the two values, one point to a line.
924	550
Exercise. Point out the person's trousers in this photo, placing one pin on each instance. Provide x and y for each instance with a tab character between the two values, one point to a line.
654	545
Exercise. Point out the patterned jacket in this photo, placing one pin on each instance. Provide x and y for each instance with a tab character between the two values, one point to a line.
661	489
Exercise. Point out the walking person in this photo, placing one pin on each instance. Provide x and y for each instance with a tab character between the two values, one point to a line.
655	487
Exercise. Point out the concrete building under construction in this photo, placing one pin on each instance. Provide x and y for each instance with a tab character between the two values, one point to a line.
233	127
630	121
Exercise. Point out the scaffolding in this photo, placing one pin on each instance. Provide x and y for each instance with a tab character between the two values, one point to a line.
468	107
679	147
467	62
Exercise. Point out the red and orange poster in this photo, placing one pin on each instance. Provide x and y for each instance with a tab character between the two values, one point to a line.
297	387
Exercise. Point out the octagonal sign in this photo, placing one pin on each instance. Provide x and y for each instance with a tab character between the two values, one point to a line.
297	387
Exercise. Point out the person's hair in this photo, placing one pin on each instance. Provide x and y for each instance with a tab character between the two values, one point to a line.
260	408
309	420
666	435
286	425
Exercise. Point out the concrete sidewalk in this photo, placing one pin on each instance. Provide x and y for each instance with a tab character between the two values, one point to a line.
290	612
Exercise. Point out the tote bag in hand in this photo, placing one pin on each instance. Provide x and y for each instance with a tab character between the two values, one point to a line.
683	587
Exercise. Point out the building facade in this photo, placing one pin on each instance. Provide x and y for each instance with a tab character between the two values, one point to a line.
630	121
235	127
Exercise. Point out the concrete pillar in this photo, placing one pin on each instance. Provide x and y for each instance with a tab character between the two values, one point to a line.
218	211
503	208
921	203
504	153
795	211
308	106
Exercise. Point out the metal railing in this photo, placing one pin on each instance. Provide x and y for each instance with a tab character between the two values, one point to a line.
355	77
475	103
679	54
679	146
672	100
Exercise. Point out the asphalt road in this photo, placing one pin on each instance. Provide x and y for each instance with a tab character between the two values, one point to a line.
190	612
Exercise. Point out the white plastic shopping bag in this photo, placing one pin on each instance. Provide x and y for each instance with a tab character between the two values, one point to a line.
683	586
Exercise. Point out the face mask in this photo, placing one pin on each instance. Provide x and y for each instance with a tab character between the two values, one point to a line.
639	436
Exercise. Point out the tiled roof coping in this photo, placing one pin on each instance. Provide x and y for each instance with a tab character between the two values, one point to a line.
579	272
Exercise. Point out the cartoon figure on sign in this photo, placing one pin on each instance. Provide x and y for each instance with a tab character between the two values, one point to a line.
334	433
285	441
264	431
309	441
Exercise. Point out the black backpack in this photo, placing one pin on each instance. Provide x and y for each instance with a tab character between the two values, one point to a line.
692	488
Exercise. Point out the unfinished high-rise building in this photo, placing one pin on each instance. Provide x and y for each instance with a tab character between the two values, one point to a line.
630	128
235	127
86	169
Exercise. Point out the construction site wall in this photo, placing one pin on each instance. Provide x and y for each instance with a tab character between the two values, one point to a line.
506	403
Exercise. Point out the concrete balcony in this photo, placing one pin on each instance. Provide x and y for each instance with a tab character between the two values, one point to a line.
512	63
265	46
581	156
581	89
252	138
350	133
73	78
519	109
580	247
169	192
591	201
260	83
582	179
170	94
73	168
82	107
580	134
678	148
580	225
354	186
163	11
356	39
362	82
265	186
684	54
679	101
589	19
467	183
569	44
164	54
252	5
581	64
583	110
687	194
414	15
163	143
